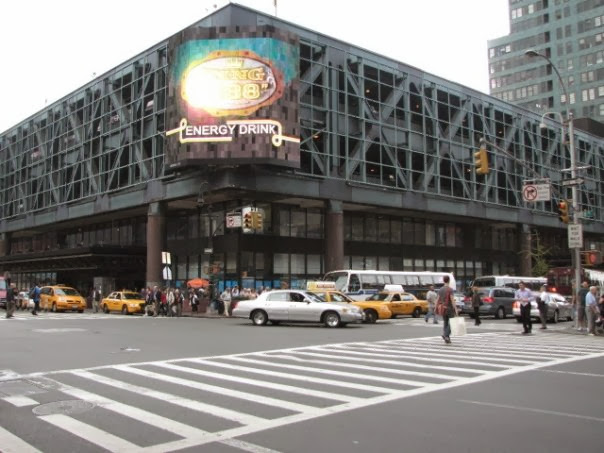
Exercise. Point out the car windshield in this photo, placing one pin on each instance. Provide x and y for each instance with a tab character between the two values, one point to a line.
131	296
66	292
379	296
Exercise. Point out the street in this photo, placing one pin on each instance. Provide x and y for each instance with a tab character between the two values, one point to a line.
95	382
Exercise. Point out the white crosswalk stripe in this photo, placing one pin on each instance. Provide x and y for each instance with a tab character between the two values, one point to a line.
252	392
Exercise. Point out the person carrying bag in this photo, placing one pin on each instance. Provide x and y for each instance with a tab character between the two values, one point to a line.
445	307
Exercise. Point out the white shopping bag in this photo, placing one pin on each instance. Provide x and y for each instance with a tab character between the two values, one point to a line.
458	326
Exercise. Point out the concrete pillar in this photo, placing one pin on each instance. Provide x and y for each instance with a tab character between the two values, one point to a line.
526	250
5	244
334	236
156	242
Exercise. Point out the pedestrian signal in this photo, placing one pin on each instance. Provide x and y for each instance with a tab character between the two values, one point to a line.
563	212
481	162
258	225
592	258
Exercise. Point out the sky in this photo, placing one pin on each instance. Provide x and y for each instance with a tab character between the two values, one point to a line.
51	48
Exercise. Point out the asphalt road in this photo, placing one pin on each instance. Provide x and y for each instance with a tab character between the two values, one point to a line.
96	382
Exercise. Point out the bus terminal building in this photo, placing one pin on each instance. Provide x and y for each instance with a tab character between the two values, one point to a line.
259	153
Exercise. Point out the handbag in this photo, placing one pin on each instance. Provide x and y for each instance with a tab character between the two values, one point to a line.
440	309
458	326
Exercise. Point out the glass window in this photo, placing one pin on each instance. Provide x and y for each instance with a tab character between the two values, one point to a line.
420	234
407	264
408	231
358	262
357	228
315	224
418	264
193	266
384	230
281	263
284	222
395	231
314	264
231	263
450	235
430	233
370	229
298	225
297	264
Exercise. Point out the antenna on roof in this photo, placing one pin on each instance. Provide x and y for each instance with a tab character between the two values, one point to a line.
275	3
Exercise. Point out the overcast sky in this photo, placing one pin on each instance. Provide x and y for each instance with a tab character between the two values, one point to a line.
51	48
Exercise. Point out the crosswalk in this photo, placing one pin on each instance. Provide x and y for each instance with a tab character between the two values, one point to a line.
42	315
199	402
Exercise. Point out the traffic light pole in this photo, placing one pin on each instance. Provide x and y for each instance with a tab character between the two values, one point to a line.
576	256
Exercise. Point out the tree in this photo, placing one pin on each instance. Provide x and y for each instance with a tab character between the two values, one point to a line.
539	255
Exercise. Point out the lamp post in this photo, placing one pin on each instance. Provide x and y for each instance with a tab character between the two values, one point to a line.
576	257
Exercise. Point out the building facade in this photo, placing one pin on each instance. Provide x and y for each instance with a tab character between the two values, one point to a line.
571	34
352	159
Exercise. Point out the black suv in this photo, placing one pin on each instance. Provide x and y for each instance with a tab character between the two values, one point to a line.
497	301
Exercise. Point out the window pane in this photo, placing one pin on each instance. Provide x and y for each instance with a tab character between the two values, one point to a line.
315	224
281	263
298	227
298	266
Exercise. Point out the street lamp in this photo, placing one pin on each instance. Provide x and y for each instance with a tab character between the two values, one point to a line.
573	164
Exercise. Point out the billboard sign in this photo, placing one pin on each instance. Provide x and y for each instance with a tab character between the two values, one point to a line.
233	97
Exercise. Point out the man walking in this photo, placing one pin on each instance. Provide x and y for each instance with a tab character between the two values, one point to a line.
524	297
591	309
10	300
96	299
542	304
445	307
431	297
35	295
476	303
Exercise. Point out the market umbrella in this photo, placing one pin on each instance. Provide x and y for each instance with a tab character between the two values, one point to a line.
198	283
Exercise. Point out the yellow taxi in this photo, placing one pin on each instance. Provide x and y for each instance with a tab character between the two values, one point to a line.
127	302
400	302
373	310
60	298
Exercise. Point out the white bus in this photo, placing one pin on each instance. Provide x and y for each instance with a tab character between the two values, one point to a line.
511	281
359	284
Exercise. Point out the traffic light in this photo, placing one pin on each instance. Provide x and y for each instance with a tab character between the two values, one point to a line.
563	211
481	161
248	220
258	225
592	258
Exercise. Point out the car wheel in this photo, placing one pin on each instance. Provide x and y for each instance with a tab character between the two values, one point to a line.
518	319
331	319
105	308
54	307
500	313
124	310
370	316
259	317
416	312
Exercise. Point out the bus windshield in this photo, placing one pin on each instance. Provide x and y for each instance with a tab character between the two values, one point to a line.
339	278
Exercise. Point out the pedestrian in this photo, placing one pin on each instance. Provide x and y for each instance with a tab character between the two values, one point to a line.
591	309
431	297
476	303
96	299
34	294
542	305
581	324
524	297
445	307
10	300
194	298
156	301
225	298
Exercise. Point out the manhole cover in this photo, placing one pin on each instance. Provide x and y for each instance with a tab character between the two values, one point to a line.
67	407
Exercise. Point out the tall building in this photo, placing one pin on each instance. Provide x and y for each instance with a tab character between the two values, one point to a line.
353	160
571	34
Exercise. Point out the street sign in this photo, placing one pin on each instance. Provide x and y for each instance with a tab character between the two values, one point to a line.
575	236
208	251
167	273
166	258
573	182
537	192
233	220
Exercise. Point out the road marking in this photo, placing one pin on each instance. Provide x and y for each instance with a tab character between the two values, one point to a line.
326	360
14	444
198	406
299	377
91	434
531	409
20	401
220	390
573	372
271	385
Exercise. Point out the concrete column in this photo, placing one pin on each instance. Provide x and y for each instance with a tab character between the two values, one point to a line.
526	251
5	244
334	236
156	242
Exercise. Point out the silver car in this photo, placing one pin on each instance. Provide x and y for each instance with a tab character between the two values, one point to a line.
557	309
292	305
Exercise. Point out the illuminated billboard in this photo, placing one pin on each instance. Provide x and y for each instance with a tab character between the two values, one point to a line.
233	97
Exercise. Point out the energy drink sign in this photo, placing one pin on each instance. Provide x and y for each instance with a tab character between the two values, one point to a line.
233	97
